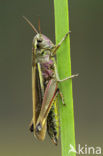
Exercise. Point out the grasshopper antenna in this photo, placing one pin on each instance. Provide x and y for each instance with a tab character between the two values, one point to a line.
34	29
39	25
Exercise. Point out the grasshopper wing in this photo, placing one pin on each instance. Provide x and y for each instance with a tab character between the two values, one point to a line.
49	96
37	97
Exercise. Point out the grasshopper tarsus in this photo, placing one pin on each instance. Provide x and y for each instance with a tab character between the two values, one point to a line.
68	33
75	75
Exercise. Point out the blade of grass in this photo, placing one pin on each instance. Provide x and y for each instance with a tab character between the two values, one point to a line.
64	70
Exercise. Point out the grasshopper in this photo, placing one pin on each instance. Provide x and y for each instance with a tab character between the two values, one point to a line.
45	89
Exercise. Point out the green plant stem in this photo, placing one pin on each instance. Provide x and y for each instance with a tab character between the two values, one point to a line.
64	69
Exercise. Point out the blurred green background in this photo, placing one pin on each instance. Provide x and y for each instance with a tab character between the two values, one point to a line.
86	24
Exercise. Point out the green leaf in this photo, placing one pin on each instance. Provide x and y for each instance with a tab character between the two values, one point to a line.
64	69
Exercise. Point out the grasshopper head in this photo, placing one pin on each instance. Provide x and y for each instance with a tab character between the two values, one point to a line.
40	41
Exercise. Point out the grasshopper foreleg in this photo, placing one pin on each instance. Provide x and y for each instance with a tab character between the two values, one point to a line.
59	44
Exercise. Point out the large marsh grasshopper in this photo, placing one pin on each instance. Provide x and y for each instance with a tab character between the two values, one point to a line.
45	89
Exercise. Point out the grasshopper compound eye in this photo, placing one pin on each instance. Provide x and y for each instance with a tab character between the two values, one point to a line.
39	40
